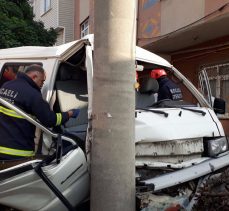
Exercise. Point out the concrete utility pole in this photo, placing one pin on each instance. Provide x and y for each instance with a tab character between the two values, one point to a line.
112	150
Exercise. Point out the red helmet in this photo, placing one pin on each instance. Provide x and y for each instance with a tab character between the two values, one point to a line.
157	73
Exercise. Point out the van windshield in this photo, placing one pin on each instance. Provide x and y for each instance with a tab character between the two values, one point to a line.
159	87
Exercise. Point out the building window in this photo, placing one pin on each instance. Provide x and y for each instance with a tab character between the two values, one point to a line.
219	81
47	5
84	28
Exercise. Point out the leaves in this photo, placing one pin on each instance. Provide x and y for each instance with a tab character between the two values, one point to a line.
17	27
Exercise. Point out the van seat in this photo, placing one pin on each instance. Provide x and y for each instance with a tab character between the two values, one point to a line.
145	96
72	94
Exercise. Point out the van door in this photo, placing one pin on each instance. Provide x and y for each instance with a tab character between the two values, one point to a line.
67	50
204	86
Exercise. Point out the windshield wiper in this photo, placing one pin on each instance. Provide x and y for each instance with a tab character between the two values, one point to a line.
154	111
194	110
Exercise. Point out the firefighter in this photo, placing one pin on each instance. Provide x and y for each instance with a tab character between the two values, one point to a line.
167	88
17	134
9	74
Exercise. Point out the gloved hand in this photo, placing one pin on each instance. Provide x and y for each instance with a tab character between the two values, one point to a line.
75	113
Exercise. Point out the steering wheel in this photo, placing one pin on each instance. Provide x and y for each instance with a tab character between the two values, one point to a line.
158	103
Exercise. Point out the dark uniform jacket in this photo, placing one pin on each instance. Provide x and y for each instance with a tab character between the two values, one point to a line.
3	80
168	90
16	133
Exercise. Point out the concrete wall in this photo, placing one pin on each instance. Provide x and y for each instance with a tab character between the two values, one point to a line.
50	18
190	63
77	20
176	14
225	123
211	6
91	17
60	38
66	18
84	10
158	18
60	16
149	20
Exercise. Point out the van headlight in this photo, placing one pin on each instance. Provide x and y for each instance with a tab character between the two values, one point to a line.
217	146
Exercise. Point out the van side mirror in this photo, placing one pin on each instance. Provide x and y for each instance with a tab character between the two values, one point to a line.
219	106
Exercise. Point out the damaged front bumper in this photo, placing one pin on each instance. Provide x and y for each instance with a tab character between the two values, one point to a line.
190	173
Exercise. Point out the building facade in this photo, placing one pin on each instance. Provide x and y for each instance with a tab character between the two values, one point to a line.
57	14
69	18
191	34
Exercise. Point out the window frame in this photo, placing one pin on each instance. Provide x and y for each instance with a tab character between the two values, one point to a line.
84	28
46	6
20	67
218	78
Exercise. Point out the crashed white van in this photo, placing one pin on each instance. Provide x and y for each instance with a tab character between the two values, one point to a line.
177	142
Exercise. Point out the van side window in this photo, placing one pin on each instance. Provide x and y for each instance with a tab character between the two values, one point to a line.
9	71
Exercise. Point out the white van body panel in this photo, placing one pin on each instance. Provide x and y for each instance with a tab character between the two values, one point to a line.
180	124
188	174
183	129
146	56
62	52
70	176
35	52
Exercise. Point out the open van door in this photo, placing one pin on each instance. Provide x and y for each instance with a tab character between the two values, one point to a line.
205	86
217	104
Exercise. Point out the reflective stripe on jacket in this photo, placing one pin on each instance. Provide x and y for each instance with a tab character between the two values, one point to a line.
17	134
10	112
16	152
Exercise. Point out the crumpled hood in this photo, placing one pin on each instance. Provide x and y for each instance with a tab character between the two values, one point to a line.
179	124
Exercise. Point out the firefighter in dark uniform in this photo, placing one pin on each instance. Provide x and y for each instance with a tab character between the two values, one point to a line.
16	133
167	88
9	74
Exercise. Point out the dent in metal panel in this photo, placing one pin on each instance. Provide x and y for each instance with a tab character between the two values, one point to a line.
166	148
190	173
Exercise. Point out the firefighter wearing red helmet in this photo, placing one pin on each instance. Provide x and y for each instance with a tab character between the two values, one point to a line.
167	88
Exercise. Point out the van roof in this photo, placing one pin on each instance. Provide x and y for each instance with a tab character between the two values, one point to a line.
32	52
147	56
35	51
